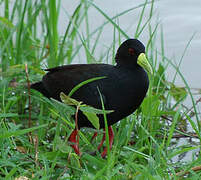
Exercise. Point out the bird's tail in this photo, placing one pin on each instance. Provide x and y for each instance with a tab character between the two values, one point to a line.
40	87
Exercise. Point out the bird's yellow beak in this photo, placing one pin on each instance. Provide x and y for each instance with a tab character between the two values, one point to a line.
144	63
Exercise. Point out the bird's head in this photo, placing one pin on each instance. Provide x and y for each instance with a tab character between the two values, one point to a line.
131	53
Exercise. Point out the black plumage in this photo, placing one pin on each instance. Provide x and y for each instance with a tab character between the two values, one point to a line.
123	88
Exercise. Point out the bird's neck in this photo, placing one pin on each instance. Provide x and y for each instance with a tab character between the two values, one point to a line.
132	66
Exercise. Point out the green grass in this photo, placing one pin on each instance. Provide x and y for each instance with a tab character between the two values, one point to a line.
33	134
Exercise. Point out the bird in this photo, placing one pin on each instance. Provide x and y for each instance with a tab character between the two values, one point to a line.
122	90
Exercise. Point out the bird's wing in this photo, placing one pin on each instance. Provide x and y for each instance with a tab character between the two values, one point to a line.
65	78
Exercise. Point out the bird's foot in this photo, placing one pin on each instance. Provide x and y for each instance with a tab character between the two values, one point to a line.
75	141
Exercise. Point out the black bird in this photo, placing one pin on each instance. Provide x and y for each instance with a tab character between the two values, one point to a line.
123	88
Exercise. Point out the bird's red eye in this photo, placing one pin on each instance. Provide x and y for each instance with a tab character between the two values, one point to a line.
131	51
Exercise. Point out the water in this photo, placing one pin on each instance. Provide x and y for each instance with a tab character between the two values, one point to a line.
180	19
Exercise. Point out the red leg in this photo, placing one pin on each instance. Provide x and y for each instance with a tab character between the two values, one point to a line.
75	141
102	141
94	136
111	138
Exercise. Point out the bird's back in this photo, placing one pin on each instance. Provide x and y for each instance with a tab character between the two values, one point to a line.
122	89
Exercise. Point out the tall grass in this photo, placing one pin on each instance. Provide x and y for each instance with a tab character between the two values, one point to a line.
146	142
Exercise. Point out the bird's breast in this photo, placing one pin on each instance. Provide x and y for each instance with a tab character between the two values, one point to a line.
128	92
